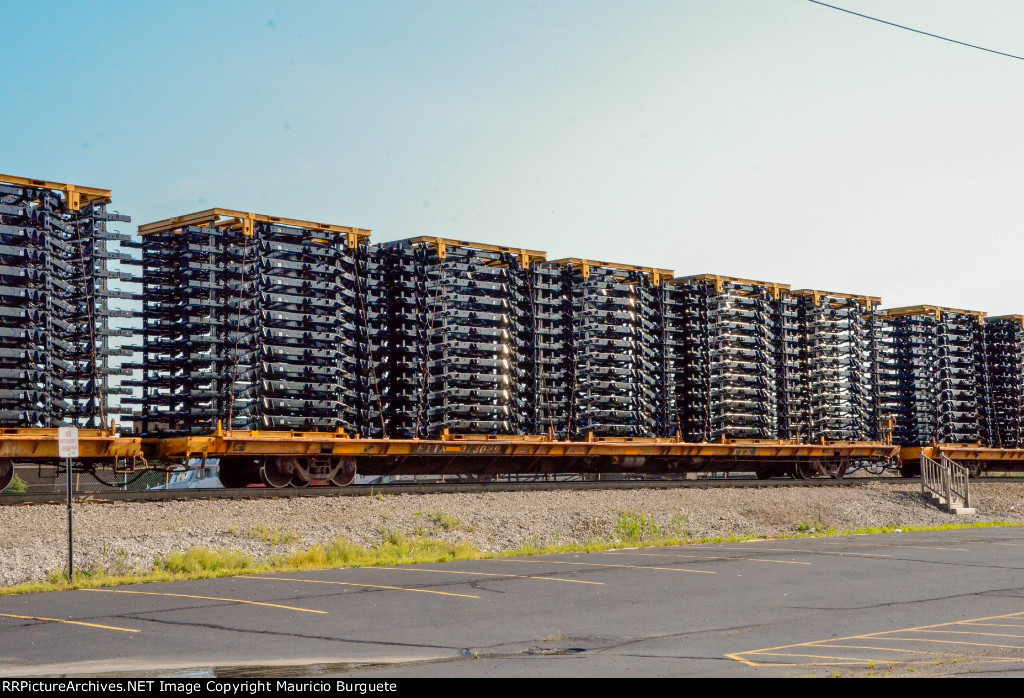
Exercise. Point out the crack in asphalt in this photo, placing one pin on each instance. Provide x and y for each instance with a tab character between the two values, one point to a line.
479	586
280	633
671	636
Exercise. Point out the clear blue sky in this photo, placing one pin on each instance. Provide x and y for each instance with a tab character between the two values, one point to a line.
772	139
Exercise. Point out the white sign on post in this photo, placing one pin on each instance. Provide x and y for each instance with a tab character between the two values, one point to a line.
67	442
67	448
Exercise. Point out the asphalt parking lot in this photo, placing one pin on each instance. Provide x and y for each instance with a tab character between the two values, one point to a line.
900	604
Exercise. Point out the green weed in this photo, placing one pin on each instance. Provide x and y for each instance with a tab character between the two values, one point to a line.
274	536
636	528
198	560
679	525
448	523
17	486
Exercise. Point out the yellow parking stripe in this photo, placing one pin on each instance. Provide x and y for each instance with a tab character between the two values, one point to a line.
879	649
72	622
490	574
956	642
888	636
207	598
821	552
714	557
818	656
893	545
370	586
969	632
740	659
600	564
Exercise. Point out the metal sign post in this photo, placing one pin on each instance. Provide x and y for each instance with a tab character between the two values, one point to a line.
67	448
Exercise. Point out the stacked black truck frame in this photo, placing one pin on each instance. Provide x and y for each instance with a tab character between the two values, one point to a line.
724	343
68	303
252	322
1004	337
600	349
455	346
939	364
836	380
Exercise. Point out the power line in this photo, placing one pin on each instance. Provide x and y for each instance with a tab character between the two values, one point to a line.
916	31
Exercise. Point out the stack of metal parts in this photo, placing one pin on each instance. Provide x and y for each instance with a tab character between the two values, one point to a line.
1004	337
64	305
374	367
554	356
837	381
687	358
459	338
400	350
962	378
254	322
612	348
675	328
793	372
915	368
881	369
730	331
941	375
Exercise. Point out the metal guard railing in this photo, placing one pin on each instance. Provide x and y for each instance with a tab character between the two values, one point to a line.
959	486
946	479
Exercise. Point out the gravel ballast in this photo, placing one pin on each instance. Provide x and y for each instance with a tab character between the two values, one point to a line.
129	536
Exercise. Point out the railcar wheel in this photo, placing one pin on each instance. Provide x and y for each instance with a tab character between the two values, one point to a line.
974	469
764	474
273	475
6	473
910	470
345	474
803	470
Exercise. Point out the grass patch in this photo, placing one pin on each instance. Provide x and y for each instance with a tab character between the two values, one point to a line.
679	525
633	527
440	521
448	523
396	549
274	536
17	486
810	527
636	530
195	561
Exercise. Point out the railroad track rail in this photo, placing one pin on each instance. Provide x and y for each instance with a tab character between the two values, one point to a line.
429	488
